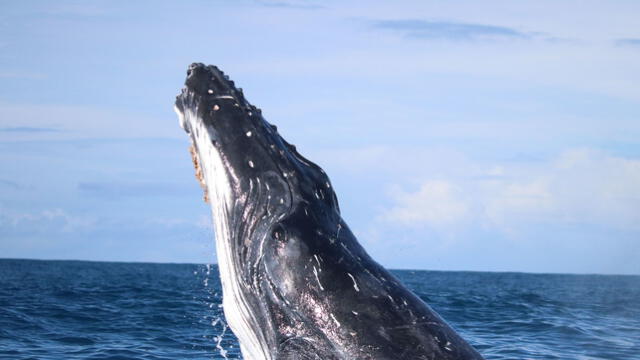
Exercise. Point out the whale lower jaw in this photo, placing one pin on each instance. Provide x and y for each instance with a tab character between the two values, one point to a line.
212	175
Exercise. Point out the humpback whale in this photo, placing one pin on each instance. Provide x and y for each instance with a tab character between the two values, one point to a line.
296	282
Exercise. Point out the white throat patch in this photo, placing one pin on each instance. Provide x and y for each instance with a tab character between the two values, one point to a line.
236	310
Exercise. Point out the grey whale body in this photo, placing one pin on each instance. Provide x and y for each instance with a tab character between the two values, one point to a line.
296	282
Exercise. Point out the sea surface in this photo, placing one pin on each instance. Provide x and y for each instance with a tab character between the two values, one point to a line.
99	310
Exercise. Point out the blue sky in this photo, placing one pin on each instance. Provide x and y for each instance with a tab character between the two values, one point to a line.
493	136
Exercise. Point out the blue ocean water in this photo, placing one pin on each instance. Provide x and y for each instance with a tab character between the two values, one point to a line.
94	310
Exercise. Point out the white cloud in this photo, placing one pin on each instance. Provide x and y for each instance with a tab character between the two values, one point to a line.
436	203
580	186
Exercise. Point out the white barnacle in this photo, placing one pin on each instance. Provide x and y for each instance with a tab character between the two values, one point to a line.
210	91
216	107
249	133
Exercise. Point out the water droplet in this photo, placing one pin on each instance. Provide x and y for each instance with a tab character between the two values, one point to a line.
210	91
250	113
216	107
281	201
250	163
248	133
328	185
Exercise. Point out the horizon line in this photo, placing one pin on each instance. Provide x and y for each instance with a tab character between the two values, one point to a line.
392	269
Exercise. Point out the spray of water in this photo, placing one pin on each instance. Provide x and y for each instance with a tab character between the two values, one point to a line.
214	314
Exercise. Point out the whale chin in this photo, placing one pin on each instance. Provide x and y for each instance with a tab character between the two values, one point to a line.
296	282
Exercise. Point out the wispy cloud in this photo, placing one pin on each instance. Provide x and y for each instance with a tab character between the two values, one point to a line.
628	42
10	184
74	122
28	129
290	5
443	30
19	75
76	9
579	186
115	190
45	221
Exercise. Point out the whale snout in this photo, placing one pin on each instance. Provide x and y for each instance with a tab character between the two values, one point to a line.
198	78
208	80
216	115
208	95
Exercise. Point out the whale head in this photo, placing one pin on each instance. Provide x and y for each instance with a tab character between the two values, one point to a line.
296	282
270	204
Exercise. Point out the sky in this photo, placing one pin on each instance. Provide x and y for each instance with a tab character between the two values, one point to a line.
459	135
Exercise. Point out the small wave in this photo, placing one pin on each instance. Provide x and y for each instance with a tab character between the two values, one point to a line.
84	310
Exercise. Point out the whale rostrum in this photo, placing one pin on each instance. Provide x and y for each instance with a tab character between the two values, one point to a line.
296	282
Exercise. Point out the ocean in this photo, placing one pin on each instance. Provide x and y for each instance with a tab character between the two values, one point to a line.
100	310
